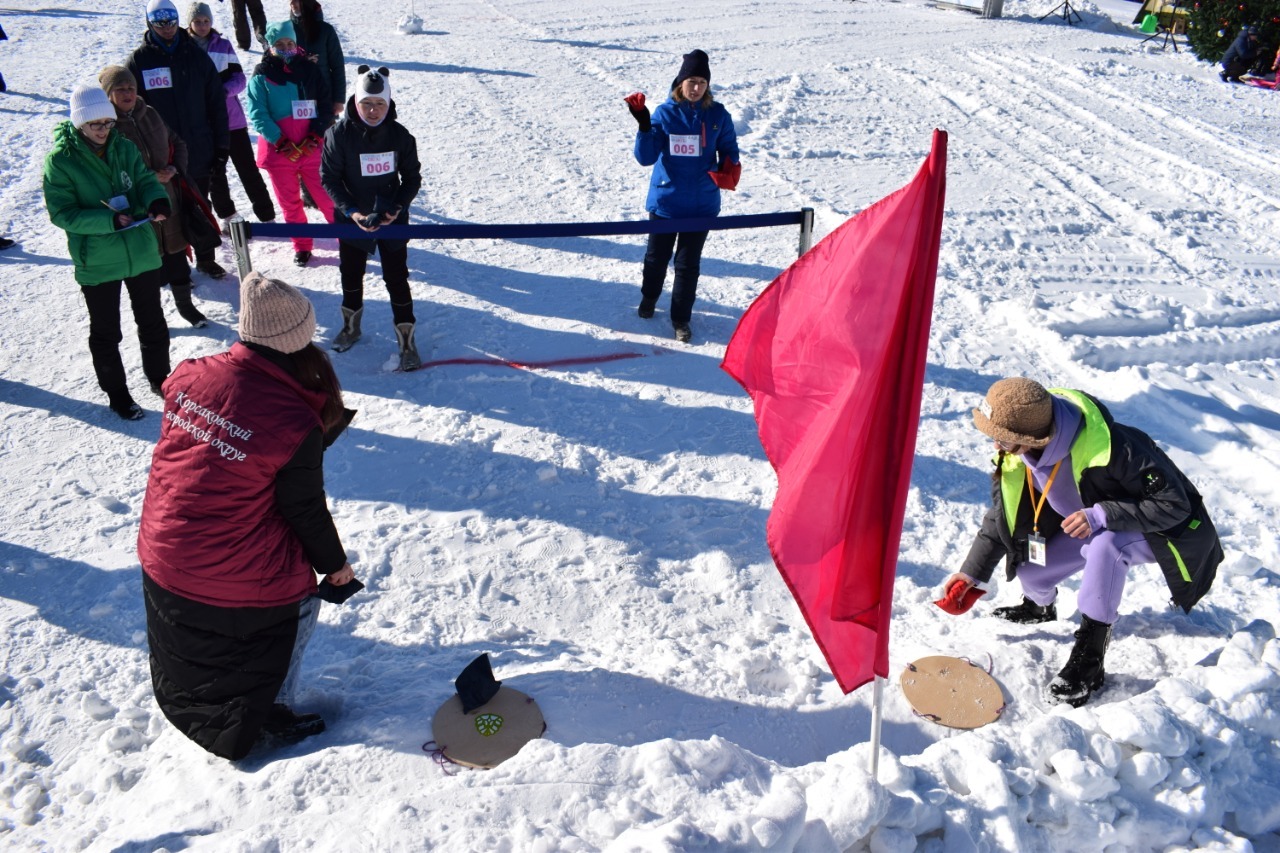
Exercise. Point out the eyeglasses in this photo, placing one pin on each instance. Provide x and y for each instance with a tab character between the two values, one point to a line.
163	19
106	124
1007	446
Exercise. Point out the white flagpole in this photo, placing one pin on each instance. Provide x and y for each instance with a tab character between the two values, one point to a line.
876	696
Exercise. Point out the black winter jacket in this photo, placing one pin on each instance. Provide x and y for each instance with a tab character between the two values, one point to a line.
1139	488
345	180
193	103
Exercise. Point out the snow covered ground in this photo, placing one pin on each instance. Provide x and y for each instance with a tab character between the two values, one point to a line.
1112	214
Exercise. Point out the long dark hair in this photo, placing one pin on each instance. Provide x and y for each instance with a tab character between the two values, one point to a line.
315	373
307	20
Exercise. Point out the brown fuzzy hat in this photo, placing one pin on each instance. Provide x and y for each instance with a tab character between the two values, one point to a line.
275	314
115	76
1016	411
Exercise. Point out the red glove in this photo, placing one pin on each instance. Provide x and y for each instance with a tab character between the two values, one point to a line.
635	103
960	597
727	177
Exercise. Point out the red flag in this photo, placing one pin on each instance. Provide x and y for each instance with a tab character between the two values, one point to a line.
833	356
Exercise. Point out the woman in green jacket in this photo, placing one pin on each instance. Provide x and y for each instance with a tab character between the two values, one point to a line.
98	190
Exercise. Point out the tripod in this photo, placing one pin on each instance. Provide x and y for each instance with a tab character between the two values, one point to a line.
1170	30
1068	13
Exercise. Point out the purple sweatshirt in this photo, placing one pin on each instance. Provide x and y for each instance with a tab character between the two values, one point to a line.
230	73
1064	494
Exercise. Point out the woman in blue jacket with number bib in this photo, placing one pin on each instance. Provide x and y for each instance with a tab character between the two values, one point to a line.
693	148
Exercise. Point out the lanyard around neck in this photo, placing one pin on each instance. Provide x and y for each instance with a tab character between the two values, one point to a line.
1036	506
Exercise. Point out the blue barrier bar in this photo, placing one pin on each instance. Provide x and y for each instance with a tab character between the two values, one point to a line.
242	230
519	231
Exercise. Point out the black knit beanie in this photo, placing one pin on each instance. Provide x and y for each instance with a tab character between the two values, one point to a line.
695	64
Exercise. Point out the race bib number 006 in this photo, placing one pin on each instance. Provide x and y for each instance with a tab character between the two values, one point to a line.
377	165
685	145
305	110
157	78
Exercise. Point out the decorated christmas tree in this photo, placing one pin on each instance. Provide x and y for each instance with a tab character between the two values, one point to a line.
1214	24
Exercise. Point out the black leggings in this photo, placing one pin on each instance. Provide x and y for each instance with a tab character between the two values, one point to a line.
684	288
352	261
255	187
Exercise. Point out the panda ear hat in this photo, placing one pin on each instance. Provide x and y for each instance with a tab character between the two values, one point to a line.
371	83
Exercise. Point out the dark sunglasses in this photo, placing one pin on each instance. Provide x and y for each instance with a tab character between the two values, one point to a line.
163	20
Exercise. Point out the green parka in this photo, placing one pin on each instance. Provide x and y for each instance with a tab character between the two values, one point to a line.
77	186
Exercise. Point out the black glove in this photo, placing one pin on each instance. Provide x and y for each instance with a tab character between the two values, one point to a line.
160	207
635	103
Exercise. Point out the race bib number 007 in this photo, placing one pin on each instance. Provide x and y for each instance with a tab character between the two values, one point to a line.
305	110
377	165
157	78
685	145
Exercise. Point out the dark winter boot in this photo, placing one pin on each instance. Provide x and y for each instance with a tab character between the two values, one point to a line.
289	727
123	405
350	330
1083	673
1028	612
186	308
409	359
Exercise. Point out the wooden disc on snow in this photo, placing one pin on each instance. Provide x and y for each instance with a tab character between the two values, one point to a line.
490	734
952	692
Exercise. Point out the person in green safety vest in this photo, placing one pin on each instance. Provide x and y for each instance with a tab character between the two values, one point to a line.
1076	493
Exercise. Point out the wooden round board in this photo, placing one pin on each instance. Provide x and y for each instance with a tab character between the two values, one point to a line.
952	692
490	734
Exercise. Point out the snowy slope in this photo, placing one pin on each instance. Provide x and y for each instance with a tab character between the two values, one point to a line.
1112	212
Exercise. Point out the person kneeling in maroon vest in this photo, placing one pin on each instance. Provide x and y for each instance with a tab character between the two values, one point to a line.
235	526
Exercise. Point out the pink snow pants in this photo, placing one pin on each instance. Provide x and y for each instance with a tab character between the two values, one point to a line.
284	177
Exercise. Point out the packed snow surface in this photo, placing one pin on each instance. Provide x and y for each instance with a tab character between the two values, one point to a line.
598	528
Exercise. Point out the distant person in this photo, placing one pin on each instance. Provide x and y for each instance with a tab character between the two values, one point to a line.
235	526
3	86
165	154
286	96
99	190
319	41
1074	492
1241	56
179	81
241	20
371	172
200	28
691	143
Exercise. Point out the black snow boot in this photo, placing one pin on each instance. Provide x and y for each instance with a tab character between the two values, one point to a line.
1028	612
289	727
1083	673
123	405
187	308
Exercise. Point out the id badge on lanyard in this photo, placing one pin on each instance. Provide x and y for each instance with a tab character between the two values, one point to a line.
1036	549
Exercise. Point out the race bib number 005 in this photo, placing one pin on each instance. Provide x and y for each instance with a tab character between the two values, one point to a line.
157	78
685	145
305	110
377	165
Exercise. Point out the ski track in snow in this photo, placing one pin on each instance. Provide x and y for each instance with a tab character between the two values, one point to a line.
1110	224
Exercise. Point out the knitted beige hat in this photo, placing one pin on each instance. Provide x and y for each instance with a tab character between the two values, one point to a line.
114	76
275	314
1016	411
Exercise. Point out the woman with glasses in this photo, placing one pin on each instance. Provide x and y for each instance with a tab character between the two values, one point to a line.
1074	492
693	148
98	189
179	81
